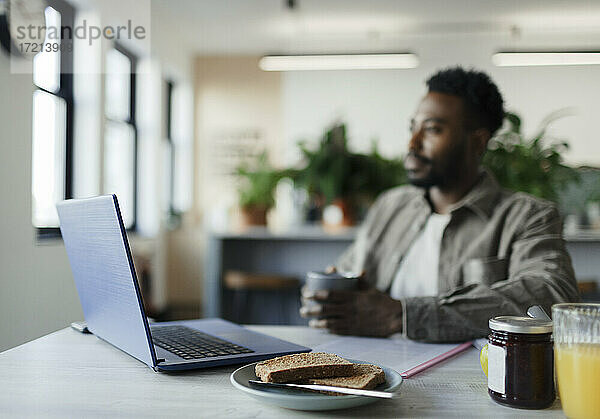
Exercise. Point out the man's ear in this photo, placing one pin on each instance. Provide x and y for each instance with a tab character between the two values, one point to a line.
480	138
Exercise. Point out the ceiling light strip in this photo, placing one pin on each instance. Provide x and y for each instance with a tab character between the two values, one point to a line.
338	62
521	59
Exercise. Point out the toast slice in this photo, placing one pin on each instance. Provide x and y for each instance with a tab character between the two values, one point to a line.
297	367
365	377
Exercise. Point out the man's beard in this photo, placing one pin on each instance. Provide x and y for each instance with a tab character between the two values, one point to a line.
440	173
431	177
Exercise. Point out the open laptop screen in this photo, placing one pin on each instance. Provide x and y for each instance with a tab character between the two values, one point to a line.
100	258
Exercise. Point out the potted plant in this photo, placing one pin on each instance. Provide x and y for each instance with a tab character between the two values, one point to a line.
530	165
333	175
325	171
256	190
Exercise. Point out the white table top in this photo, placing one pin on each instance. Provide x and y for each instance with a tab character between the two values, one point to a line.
68	374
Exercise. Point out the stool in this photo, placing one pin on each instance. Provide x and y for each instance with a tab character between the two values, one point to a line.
282	291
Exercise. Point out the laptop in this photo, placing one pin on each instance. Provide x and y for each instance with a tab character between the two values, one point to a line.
102	266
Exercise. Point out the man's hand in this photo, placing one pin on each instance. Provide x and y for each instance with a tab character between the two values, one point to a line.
362	312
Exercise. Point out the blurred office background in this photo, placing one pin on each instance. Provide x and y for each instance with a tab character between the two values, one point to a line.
167	122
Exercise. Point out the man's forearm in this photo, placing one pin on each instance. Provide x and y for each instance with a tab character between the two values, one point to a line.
464	313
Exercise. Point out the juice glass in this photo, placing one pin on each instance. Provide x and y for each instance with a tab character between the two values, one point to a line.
577	358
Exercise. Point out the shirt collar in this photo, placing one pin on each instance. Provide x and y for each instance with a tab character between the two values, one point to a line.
481	199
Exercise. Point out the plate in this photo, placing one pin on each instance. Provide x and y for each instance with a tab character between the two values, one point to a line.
306	400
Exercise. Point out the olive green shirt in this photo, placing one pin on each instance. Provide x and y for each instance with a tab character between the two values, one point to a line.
500	253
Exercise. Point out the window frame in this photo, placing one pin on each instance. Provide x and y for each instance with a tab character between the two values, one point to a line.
169	138
131	121
65	92
174	216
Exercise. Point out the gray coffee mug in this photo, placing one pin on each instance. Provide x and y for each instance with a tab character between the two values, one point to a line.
316	281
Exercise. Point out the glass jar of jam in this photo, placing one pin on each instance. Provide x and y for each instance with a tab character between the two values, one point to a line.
521	362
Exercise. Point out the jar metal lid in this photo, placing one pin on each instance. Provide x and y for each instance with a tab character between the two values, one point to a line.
516	324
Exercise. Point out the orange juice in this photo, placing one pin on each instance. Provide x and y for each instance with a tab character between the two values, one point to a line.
578	373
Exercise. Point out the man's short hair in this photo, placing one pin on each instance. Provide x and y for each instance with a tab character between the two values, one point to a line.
482	99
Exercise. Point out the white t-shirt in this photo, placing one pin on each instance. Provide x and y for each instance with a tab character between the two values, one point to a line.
418	272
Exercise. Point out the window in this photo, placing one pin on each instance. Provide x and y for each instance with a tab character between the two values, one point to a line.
177	152
120	133
52	130
181	106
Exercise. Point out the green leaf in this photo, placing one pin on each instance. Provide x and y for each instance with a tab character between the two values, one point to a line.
258	180
530	166
514	121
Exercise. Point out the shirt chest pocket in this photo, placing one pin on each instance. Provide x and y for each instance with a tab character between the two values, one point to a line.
485	271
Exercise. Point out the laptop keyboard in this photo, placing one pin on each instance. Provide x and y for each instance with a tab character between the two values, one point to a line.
189	343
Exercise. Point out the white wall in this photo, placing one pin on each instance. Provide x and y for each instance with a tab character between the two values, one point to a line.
233	97
37	294
378	104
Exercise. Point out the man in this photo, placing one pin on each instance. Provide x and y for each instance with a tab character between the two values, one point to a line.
443	255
